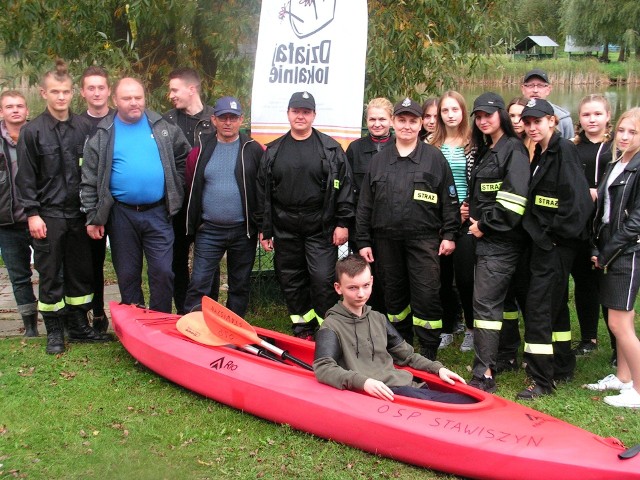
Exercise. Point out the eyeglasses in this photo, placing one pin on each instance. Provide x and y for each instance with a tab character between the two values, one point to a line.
539	86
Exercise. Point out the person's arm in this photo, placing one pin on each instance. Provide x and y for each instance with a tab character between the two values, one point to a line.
628	232
574	201
363	215
89	179
345	206
328	353
511	199
404	354
181	149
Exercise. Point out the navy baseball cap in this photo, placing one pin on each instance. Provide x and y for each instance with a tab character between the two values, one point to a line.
537	108
488	102
227	105
302	100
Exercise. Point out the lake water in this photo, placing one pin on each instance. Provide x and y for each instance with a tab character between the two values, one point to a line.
620	98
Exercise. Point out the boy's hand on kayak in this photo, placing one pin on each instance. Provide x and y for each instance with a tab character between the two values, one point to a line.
450	377
376	388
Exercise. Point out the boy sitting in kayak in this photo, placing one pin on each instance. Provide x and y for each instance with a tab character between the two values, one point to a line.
357	347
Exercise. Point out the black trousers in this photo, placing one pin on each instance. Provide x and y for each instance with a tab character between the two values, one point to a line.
464	258
410	271
514	306
494	274
305	266
98	254
587	299
180	264
547	334
63	260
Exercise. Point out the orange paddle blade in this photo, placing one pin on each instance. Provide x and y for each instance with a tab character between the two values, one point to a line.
193	326
226	324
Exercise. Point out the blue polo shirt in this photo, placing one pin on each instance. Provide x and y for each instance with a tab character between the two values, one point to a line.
137	176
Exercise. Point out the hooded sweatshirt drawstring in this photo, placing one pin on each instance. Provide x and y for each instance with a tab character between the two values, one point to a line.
355	332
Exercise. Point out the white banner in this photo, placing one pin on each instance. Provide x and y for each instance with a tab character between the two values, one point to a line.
318	46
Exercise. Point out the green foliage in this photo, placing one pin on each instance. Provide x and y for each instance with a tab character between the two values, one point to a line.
416	47
140	37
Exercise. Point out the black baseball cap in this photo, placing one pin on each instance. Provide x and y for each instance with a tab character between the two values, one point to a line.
537	108
488	102
302	100
536	72
408	106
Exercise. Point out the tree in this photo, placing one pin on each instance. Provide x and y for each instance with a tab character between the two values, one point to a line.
420	47
423	43
596	22
146	38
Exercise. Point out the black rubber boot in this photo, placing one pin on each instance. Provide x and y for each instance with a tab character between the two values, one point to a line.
100	323
55	335
30	325
429	339
80	331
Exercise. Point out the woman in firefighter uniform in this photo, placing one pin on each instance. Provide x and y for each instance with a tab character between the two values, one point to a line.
407	216
558	209
497	201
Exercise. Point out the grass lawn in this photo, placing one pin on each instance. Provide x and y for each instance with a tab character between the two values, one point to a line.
95	412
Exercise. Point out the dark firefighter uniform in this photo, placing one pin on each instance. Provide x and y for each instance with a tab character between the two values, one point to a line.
558	210
359	153
407	206
48	181
301	200
497	200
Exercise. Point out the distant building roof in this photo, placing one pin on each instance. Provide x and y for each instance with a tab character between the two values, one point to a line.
533	40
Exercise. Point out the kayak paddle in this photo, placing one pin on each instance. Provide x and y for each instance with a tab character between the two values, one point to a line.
193	326
234	329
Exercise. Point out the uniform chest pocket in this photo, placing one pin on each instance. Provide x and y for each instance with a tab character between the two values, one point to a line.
51	160
425	189
378	184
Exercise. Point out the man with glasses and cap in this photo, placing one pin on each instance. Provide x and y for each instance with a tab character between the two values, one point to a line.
221	176
535	84
305	198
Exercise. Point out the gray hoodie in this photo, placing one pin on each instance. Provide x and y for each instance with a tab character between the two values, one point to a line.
352	349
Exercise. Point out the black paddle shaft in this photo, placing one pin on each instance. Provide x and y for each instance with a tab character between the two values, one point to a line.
297	361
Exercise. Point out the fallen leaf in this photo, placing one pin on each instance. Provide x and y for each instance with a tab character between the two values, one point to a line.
26	373
68	375
96	433
125	432
3	429
207	464
82	433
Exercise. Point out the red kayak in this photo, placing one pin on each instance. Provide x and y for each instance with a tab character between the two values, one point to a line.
493	438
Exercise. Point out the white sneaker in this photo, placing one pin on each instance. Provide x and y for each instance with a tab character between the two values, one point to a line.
467	343
628	398
610	382
446	339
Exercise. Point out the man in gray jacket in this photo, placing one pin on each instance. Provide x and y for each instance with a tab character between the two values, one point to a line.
535	84
133	182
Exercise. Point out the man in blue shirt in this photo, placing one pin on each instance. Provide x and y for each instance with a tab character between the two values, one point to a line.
133	182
